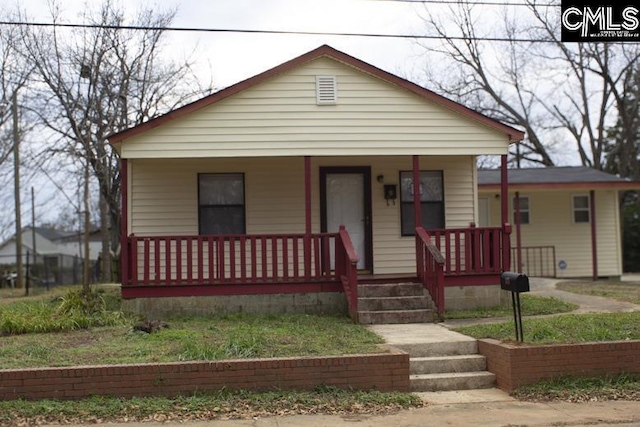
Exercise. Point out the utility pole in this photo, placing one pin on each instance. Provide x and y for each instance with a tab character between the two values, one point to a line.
85	73
87	227
33	223
16	187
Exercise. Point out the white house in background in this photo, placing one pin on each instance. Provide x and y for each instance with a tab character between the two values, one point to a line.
49	241
569	219
58	252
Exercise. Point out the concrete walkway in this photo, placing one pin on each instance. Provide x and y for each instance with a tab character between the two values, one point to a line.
587	303
547	288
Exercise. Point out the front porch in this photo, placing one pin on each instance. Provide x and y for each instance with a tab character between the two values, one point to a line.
327	264
280	264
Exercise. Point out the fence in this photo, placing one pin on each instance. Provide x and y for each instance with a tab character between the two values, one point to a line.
45	270
537	261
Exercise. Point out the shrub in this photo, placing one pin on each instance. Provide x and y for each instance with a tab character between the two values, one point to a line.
74	310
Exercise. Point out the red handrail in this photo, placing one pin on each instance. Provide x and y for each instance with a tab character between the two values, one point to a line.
347	270
430	268
471	251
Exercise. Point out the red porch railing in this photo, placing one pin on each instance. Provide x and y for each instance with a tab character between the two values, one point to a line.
471	251
455	254
213	259
347	270
430	268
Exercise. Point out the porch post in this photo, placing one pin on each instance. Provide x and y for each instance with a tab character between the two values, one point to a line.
504	189
594	244
307	195
417	211
506	228
124	221
307	216
518	235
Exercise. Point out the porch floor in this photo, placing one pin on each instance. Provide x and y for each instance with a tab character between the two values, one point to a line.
450	279
365	278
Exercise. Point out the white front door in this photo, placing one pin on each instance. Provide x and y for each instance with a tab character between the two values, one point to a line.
345	205
484	212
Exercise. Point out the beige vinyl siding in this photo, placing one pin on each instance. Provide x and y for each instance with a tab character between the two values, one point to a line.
551	224
608	233
280	118
164	197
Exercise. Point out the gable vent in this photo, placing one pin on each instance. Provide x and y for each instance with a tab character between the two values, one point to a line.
326	90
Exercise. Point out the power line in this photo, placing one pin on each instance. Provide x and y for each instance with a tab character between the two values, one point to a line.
285	32
470	3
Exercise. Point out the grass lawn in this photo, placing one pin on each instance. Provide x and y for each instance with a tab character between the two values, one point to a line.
54	332
566	328
571	389
81	342
621	291
225	404
229	337
531	305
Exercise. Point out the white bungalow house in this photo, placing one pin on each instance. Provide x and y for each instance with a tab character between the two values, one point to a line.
236	201
569	222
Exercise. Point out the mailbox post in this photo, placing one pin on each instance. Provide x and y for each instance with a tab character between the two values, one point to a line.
516	283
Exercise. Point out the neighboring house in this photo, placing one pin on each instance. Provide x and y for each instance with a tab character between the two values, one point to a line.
58	254
242	192
569	219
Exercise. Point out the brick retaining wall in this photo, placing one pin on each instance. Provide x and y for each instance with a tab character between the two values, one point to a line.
518	365
384	372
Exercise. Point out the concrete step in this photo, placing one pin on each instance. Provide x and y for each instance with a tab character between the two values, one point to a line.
452	381
447	364
451	347
390	290
394	316
393	303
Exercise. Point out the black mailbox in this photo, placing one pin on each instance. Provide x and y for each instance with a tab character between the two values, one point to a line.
514	282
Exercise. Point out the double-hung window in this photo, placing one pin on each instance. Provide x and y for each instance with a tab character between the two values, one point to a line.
431	201
581	209
525	210
221	207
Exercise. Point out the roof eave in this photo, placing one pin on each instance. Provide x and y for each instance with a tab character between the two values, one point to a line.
617	185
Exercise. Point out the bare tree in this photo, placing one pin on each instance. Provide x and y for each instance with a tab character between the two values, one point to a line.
100	80
598	74
488	78
623	150
556	92
14	72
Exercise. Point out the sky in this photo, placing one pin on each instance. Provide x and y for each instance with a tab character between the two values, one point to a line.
227	58
232	57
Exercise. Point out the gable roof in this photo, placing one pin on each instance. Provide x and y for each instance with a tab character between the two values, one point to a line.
555	177
323	51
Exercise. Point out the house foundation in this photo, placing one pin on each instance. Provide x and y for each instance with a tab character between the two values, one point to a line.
470	297
322	303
